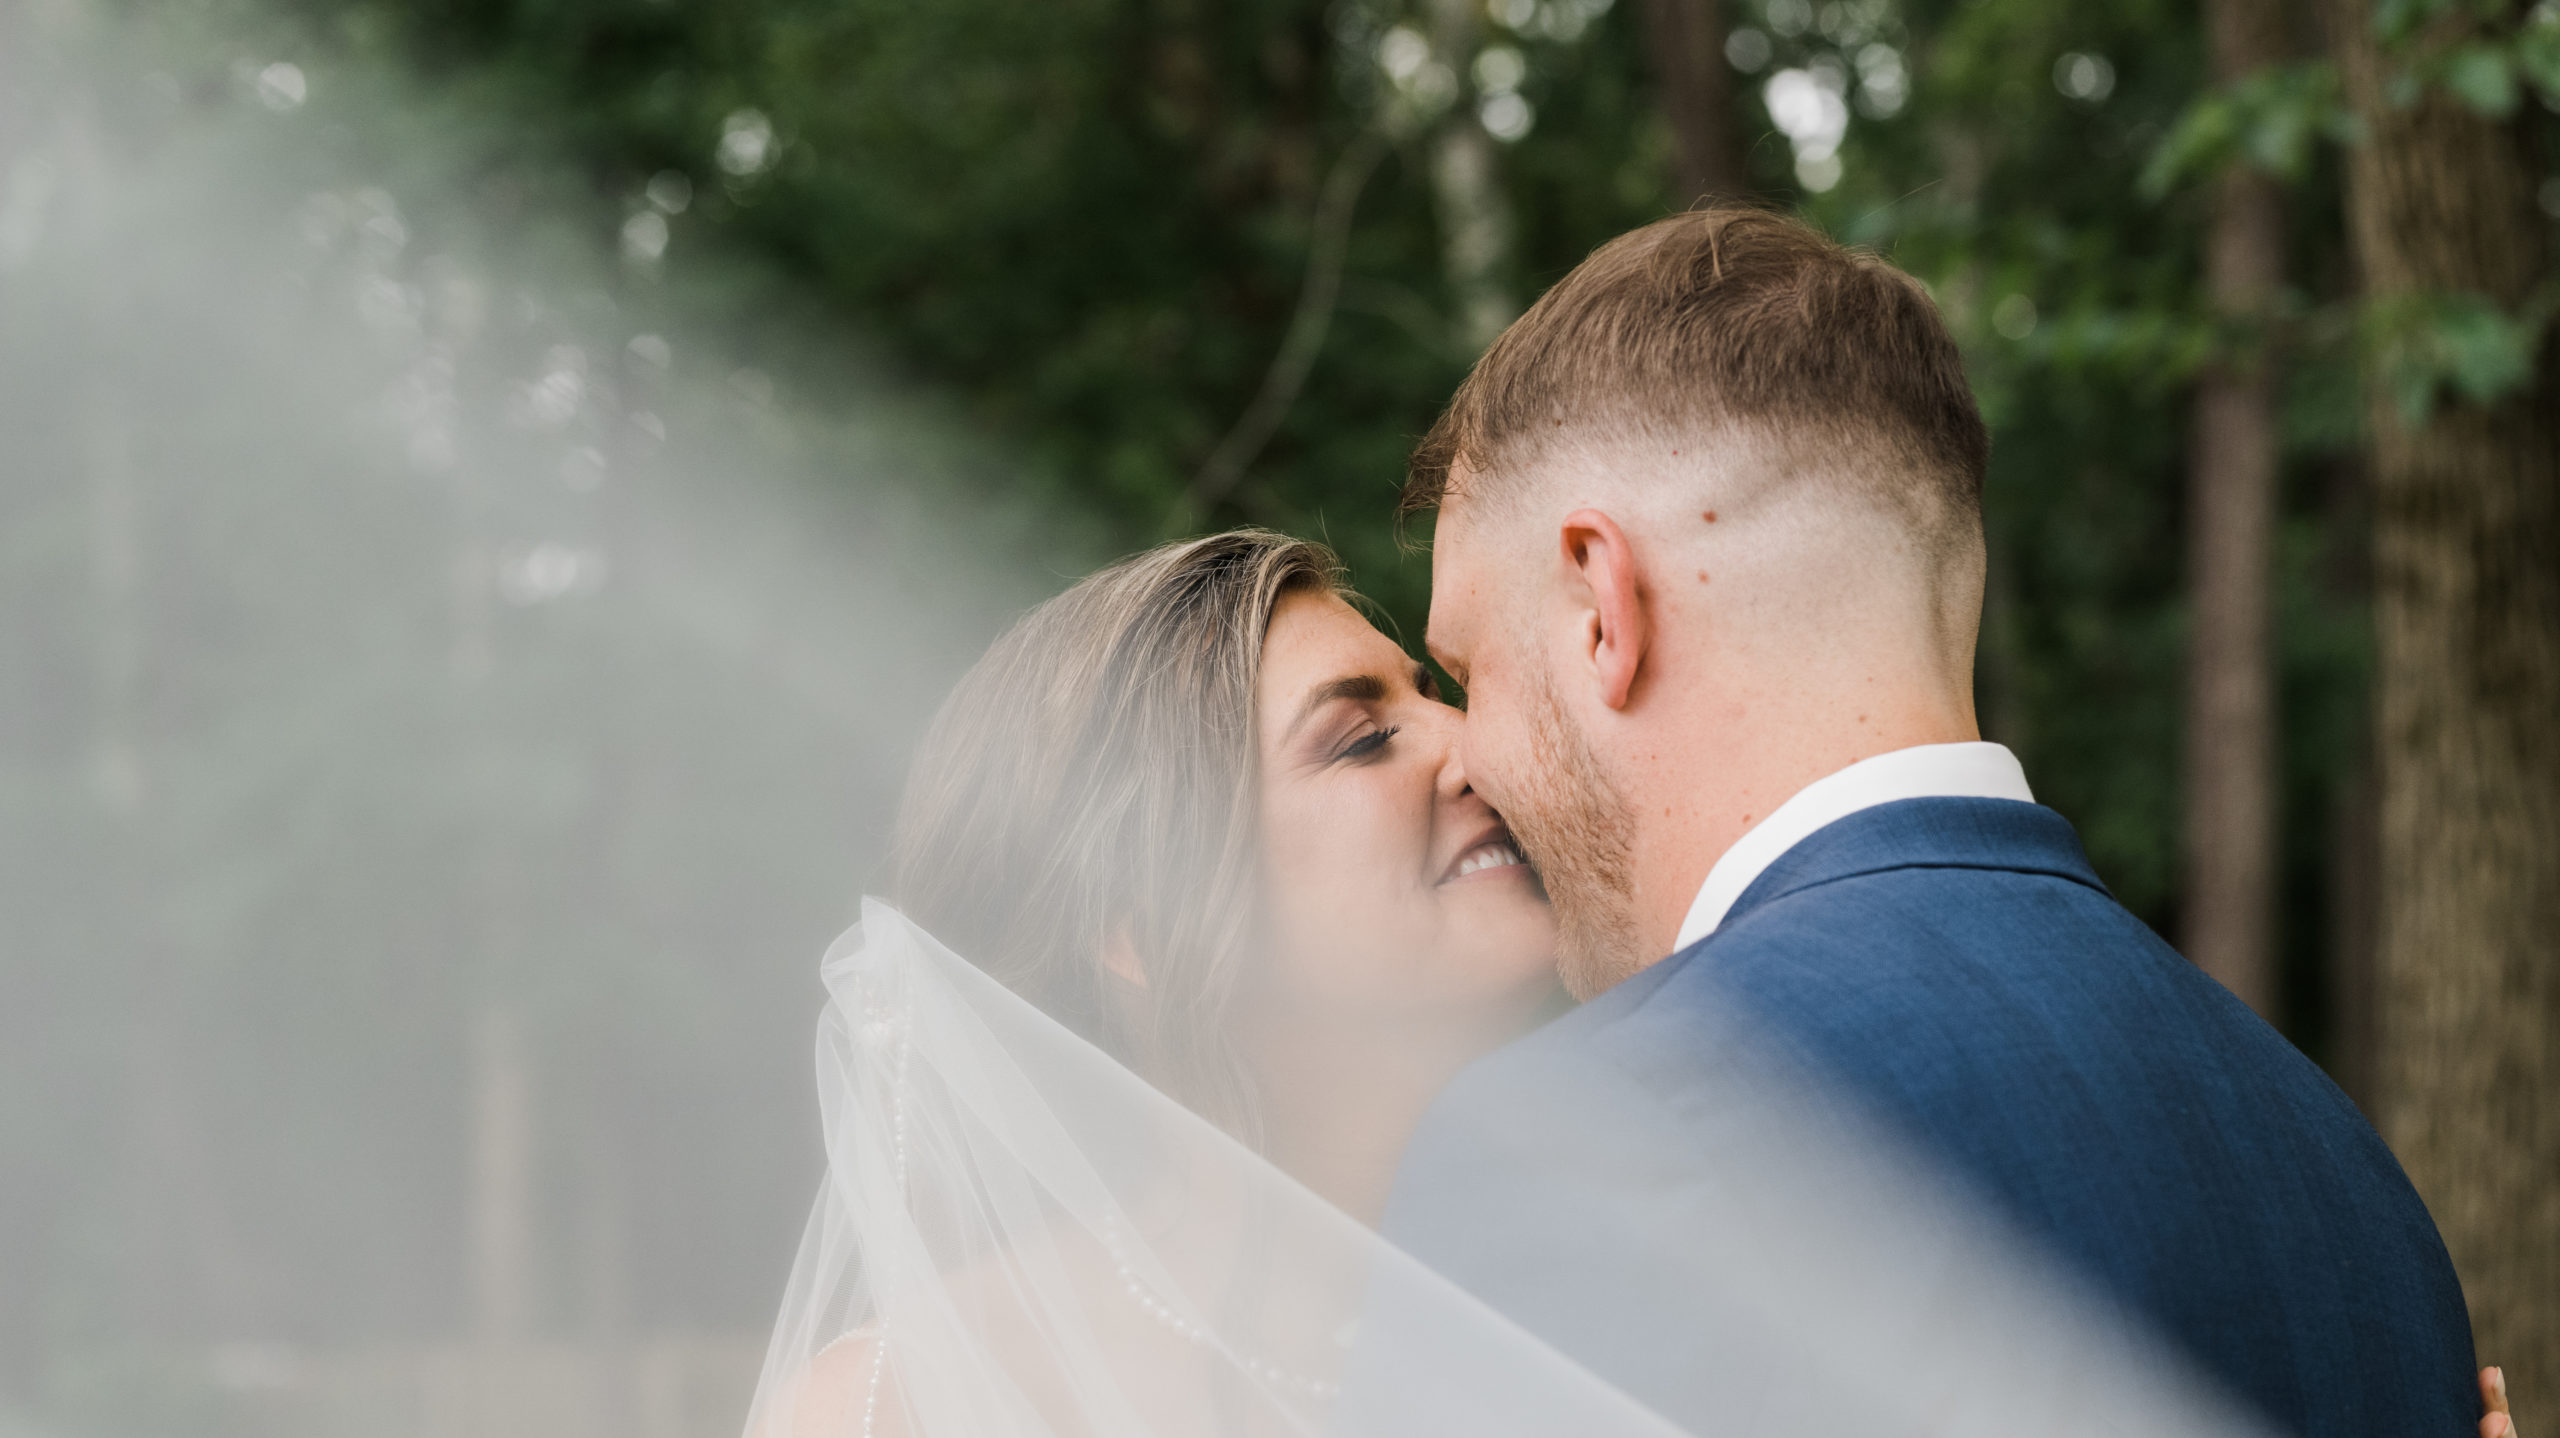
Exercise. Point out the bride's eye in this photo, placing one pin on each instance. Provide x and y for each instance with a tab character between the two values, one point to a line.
1367	745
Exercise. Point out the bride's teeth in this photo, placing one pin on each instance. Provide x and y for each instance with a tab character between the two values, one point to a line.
1489	856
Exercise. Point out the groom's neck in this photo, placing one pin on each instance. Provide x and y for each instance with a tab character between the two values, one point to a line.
1727	762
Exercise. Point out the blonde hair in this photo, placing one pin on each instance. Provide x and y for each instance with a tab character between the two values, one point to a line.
1092	782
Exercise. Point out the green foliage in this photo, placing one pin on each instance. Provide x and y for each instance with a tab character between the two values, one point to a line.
2484	53
2272	119
1076	232
2396	21
2424	346
2483	76
1088	224
2538	51
2421	347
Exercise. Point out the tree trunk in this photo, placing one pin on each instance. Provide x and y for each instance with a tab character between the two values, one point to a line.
1709	158
502	1180
2467	628
2354	874
2231	781
1475	215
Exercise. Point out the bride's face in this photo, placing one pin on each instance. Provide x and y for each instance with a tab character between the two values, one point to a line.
1393	888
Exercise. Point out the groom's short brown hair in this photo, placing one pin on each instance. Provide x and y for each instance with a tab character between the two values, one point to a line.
1728	318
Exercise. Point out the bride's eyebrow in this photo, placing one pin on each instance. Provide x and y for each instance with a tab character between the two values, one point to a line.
1364	688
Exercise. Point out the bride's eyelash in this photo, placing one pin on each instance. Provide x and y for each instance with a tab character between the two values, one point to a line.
1367	744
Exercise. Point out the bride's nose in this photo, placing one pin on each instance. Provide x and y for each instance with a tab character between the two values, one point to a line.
1450	782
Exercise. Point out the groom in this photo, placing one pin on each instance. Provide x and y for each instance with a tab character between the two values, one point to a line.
1709	565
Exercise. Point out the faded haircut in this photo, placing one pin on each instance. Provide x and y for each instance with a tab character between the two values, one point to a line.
1729	321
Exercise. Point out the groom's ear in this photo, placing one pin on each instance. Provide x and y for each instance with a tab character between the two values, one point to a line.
1613	634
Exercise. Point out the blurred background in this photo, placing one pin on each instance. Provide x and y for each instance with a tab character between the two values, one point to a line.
490	490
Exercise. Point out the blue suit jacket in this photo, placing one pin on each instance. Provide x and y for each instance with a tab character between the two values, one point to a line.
1955	969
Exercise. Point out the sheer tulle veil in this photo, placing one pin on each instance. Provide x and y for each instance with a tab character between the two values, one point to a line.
1019	1236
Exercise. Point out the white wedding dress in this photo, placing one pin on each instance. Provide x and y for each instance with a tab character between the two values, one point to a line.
1020	1238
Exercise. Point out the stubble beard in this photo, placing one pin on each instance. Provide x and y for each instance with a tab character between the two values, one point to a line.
1572	825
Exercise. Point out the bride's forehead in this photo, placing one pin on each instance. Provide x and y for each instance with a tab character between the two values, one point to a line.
1316	637
1321	622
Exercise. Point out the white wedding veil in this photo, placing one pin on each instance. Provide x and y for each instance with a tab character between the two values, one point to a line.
1018	1236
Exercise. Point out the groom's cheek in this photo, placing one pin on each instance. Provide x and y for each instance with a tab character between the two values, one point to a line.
1487	748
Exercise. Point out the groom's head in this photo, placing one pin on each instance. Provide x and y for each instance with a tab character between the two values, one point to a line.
1709	529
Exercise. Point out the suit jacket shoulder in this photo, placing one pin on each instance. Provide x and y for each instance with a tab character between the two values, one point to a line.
1954	972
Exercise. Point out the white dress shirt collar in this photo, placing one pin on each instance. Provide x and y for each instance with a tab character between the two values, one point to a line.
1927	771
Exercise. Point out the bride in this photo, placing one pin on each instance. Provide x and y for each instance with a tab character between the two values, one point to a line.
1201	812
1222	916
1206	830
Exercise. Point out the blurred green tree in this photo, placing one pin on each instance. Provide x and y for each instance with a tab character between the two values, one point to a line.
1200	263
1208	263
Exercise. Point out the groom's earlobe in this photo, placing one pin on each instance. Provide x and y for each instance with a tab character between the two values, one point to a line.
1614	626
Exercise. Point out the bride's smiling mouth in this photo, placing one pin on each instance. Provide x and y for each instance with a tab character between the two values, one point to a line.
1494	852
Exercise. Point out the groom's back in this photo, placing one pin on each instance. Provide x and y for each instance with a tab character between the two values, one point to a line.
1954	966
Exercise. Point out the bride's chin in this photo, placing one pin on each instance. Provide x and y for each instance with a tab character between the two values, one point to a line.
1514	928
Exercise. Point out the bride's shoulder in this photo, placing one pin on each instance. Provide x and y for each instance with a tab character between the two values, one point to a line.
845	1390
